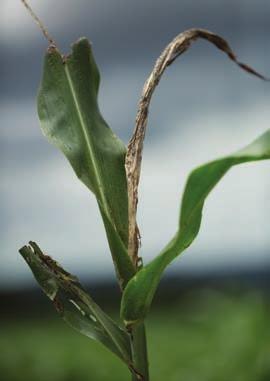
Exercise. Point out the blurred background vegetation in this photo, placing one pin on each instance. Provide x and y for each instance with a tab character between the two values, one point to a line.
198	331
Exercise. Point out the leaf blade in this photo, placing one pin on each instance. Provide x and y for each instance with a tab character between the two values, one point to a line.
140	290
73	304
70	119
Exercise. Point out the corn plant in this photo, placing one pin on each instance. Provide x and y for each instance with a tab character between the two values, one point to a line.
71	120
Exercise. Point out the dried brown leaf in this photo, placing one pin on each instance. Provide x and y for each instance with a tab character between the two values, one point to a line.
176	47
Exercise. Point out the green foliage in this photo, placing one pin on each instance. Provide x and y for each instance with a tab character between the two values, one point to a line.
140	290
211	337
70	119
74	305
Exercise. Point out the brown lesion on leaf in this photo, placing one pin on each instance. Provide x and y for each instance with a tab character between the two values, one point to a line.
176	47
52	264
58	306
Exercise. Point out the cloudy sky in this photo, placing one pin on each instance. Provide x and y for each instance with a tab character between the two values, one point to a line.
205	107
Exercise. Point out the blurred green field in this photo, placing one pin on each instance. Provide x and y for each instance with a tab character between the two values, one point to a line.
210	337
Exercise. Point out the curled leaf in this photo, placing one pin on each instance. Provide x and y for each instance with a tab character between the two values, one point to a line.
141	288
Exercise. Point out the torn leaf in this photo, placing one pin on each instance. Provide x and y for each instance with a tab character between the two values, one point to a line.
73	304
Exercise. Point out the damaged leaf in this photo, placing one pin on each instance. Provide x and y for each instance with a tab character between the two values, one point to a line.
174	49
74	305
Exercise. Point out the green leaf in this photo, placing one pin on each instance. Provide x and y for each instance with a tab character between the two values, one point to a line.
70	119
141	288
74	305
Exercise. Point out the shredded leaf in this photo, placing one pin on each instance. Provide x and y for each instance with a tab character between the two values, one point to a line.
73	304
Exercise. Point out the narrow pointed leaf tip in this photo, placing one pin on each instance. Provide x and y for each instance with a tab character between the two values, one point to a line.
141	288
71	120
73	304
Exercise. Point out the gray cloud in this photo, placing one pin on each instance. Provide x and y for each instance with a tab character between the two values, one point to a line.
204	107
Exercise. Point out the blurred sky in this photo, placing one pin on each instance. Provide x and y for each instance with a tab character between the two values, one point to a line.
204	107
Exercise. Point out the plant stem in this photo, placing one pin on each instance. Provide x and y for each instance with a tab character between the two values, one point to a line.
139	353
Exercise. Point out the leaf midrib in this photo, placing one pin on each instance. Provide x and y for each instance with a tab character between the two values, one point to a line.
88	141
